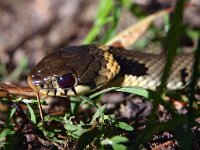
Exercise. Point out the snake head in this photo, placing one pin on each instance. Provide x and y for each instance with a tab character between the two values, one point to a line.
73	70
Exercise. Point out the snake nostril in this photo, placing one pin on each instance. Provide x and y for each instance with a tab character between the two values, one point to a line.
42	86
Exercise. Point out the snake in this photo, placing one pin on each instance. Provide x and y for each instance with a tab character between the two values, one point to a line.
82	69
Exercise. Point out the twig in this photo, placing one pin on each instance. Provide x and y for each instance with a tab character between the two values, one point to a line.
168	143
40	107
7	89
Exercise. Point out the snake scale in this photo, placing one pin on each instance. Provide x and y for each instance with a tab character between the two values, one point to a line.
82	69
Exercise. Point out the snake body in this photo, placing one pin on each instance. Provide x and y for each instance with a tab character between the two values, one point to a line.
82	69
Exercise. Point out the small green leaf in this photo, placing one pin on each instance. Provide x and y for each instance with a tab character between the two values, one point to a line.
119	139
74	104
103	17
129	89
48	134
125	126
32	101
119	147
99	113
88	100
33	117
116	142
12	112
5	132
126	3
74	130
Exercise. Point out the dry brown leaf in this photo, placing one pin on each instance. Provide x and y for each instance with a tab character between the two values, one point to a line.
8	89
132	33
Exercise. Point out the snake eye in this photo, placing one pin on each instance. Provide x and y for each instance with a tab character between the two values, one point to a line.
66	81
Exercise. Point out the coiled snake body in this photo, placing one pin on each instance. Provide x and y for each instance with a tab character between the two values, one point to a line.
82	69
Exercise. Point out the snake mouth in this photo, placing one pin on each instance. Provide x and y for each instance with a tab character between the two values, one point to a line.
54	88
31	83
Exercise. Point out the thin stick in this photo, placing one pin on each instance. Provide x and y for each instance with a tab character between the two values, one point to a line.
163	145
40	107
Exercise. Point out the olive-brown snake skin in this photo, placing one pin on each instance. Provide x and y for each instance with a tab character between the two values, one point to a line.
82	69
